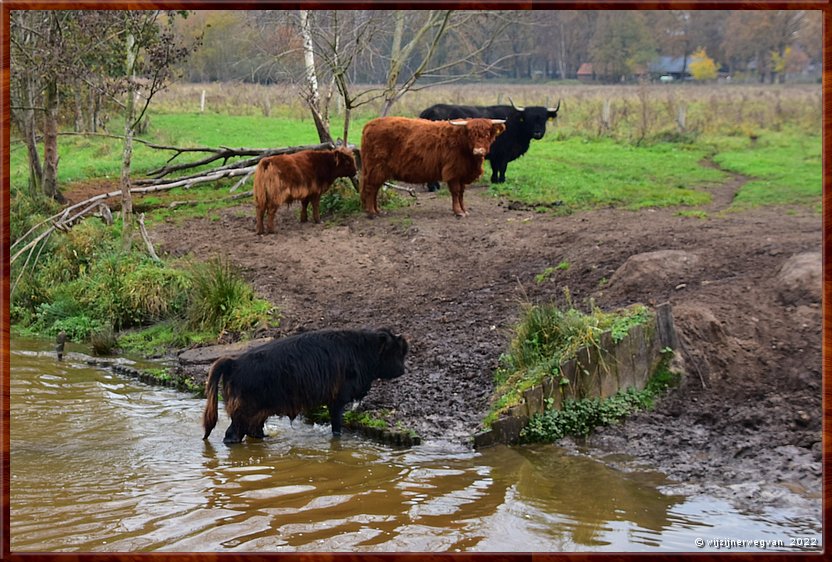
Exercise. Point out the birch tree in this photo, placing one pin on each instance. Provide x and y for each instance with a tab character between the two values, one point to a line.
313	96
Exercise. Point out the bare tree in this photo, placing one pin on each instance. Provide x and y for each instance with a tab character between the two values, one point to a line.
25	89
149	52
39	57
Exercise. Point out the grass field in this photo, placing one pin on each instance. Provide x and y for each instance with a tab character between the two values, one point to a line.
610	146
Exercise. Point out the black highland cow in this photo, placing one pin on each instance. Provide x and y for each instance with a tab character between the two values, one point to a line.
522	125
299	373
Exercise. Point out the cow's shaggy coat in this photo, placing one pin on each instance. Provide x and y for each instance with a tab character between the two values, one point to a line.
303	176
299	373
421	151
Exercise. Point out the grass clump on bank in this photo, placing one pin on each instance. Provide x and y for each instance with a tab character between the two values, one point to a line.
85	286
545	337
579	418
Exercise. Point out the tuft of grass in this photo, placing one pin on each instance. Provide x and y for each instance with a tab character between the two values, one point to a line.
104	341
696	214
546	336
87	287
366	418
544	275
222	300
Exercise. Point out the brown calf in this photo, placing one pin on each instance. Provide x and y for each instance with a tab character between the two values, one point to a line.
303	176
422	151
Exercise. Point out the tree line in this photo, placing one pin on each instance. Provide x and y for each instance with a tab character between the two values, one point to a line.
266	46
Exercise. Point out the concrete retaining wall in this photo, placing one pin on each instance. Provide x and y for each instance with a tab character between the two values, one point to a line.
594	372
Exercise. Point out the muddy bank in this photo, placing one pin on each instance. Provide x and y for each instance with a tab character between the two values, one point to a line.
748	411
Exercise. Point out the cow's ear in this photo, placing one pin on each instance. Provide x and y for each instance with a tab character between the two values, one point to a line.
499	128
390	341
387	339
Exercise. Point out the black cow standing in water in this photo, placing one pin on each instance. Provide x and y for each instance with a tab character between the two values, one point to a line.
522	125
299	373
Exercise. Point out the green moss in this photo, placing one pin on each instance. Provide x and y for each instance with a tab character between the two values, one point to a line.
364	418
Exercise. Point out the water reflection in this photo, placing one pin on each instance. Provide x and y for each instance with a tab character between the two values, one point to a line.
102	463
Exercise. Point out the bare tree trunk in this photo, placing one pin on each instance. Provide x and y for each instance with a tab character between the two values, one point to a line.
35	169
79	112
313	98
28	129
127	154
50	143
23	100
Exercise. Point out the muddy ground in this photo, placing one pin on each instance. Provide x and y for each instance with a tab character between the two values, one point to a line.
746	419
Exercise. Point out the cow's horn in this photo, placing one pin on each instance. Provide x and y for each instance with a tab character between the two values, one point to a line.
494	121
514	106
459	123
555	110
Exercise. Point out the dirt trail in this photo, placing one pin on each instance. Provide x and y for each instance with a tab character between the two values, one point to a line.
454	287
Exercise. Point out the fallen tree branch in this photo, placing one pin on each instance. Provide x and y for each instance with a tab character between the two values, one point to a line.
62	220
226	153
146	238
409	190
242	181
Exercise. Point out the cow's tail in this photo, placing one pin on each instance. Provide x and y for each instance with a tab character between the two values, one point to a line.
209	416
259	188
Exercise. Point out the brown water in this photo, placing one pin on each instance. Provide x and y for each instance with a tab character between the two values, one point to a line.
104	463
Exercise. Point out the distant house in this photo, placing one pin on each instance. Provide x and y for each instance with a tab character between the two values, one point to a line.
585	72
666	68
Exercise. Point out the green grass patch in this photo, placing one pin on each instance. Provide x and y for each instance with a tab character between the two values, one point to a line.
544	275
547	335
584	174
580	417
785	167
352	418
86	157
155	339
365	418
221	300
694	213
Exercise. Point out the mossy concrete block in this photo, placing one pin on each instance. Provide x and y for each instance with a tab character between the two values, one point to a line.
594	372
508	429
586	378
534	400
568	372
625	361
519	411
552	396
485	439
641	360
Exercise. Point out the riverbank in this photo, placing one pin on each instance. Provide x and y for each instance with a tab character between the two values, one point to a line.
748	313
